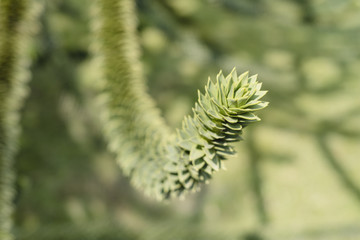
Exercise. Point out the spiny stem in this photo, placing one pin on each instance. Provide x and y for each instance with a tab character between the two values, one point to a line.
159	162
12	13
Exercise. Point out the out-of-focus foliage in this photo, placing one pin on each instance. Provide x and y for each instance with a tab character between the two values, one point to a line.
296	176
17	24
9	42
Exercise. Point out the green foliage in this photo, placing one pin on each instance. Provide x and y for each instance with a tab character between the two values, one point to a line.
159	163
12	92
300	164
219	118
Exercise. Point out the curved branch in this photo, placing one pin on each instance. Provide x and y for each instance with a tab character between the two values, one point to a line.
159	162
12	91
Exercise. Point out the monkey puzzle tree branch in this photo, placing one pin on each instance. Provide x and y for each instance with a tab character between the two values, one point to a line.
12	92
159	162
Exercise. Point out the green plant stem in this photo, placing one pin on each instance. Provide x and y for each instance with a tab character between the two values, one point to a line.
159	162
12	13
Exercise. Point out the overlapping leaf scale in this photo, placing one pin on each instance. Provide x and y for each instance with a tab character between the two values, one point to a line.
203	143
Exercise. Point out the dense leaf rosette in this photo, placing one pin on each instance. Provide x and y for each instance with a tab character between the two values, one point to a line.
221	113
